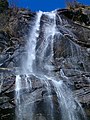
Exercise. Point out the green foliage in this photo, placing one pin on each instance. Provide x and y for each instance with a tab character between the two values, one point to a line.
3	5
73	4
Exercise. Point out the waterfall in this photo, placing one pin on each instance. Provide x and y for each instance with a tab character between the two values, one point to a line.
67	103
39	63
22	109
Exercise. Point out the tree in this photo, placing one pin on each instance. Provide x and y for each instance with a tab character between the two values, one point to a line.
72	4
3	5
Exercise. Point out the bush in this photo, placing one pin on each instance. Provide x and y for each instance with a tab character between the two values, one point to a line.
3	5
72	4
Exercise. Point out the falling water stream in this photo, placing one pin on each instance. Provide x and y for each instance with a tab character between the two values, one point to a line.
40	56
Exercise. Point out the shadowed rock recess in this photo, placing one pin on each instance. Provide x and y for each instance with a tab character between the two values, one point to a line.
71	60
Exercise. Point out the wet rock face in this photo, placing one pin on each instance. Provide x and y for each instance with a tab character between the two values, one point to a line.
71	54
13	29
13	35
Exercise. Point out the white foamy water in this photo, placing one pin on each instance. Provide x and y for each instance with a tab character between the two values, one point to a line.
21	109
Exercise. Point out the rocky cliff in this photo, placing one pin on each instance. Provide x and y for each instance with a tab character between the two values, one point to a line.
70	54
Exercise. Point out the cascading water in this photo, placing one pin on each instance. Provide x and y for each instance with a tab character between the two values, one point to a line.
27	68
67	104
40	56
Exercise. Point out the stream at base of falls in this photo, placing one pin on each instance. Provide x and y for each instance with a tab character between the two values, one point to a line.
38	67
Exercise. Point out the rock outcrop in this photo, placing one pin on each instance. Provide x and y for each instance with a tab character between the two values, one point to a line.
71	54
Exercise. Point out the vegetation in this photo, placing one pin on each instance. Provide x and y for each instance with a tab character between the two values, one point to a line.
78	12
74	4
3	5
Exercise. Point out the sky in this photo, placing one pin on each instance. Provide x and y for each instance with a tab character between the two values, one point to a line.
43	5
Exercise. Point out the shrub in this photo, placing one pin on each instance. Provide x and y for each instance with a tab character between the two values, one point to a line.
3	5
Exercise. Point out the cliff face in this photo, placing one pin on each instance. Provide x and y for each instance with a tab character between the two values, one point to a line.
70	54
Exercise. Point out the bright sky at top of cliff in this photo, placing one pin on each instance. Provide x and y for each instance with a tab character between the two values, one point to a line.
44	5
